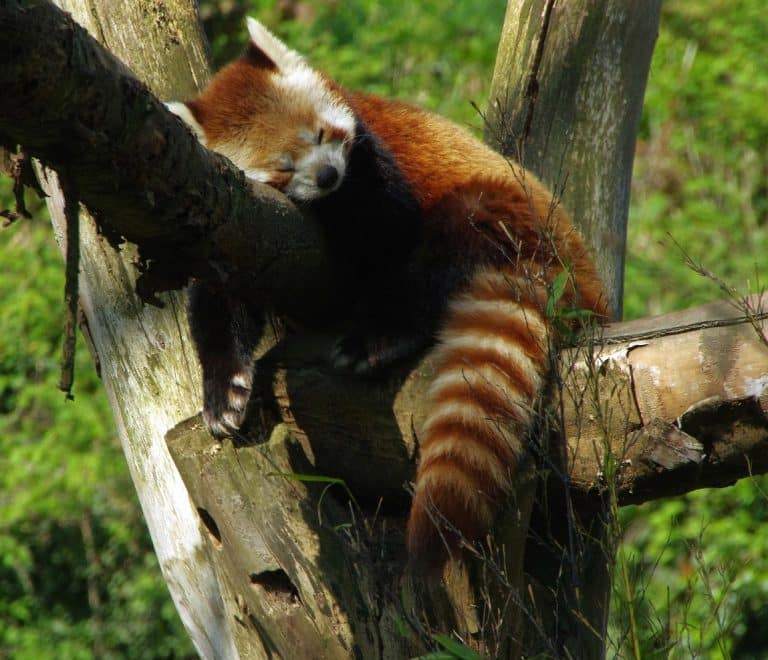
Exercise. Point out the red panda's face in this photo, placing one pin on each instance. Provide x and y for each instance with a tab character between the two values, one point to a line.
276	119
305	163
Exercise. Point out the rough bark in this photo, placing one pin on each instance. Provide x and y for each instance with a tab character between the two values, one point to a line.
60	92
683	403
566	98
565	101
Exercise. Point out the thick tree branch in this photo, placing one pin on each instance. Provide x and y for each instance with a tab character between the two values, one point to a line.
654	408
671	404
140	172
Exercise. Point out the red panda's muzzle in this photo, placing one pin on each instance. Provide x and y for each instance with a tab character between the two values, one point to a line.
326	177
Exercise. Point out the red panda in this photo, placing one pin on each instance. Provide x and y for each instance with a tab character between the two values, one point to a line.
446	244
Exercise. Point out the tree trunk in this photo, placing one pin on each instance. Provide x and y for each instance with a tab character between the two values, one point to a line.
565	101
149	370
566	98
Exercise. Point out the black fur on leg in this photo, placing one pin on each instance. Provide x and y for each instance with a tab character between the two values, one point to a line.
225	331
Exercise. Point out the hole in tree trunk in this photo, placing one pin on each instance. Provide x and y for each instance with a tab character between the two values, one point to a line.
277	586
211	526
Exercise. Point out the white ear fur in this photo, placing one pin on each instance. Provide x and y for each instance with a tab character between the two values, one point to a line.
285	58
182	110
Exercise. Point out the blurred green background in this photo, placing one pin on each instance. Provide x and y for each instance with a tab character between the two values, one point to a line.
78	578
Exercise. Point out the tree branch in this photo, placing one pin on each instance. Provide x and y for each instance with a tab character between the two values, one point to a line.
679	403
141	173
680	408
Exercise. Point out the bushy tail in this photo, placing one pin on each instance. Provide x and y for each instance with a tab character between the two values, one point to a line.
491	363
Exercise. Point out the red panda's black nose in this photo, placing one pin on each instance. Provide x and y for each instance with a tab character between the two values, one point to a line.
327	176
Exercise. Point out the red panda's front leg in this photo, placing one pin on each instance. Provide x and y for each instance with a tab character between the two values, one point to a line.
225	332
396	318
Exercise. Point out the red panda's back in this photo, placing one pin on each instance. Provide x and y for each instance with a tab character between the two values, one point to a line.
464	185
434	154
493	352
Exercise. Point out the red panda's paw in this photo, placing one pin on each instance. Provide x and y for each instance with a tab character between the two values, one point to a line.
224	404
362	353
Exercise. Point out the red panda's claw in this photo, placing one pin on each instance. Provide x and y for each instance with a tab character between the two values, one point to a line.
224	408
351	355
362	354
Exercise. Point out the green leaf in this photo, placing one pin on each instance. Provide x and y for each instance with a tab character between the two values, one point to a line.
456	648
309	478
556	292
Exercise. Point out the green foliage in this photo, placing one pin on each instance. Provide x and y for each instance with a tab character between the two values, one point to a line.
456	649
78	577
452	650
700	575
701	176
699	567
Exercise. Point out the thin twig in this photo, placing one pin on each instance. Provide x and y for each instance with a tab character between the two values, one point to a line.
72	215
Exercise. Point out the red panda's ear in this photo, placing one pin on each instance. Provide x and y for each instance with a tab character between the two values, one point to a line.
258	58
267	50
186	111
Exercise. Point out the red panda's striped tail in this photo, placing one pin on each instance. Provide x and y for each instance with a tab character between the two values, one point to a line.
491	363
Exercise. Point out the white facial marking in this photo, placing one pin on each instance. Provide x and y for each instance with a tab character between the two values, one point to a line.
182	111
285	163
308	136
259	176
312	87
295	75
303	186
339	115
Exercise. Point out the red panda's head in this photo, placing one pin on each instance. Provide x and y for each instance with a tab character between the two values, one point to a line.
276	118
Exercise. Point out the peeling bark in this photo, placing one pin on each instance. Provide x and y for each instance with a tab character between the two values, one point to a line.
685	398
310	421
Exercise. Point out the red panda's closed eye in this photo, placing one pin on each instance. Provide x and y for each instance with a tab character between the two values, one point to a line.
285	164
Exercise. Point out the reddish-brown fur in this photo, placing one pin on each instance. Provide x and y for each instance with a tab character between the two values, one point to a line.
240	118
464	184
492	356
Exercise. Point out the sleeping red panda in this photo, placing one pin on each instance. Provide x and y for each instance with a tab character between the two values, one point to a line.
446	244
